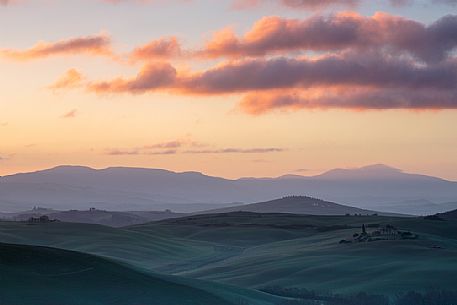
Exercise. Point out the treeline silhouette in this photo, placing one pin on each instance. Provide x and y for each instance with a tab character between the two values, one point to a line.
308	297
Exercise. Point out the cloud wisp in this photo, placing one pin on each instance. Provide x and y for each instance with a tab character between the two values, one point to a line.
71	79
70	114
236	151
159	49
98	45
187	147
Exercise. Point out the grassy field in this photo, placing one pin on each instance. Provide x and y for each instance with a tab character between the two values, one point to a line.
254	251
304	251
39	275
148	251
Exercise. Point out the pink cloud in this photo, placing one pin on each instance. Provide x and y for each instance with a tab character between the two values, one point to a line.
322	4
338	32
355	99
99	45
163	48
361	81
152	77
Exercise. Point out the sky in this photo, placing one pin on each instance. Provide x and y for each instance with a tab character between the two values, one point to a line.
231	88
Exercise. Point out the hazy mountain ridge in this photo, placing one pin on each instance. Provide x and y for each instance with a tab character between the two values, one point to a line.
122	189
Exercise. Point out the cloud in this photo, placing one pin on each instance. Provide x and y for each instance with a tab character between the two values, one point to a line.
236	151
302	170
139	151
300	4
362	99
357	63
71	79
186	146
171	144
153	76
322	4
71	114
99	45
370	70
163	48
316	4
7	2
144	1
161	148
119	152
338	32
349	80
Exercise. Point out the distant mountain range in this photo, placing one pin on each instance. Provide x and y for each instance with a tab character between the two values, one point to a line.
124	189
419	207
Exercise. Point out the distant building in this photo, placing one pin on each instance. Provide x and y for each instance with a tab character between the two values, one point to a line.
41	219
387	232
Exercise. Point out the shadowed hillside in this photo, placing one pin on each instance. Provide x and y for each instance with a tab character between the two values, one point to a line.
252	250
451	215
94	216
36	275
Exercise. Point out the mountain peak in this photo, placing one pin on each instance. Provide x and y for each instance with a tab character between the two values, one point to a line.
379	167
369	171
70	168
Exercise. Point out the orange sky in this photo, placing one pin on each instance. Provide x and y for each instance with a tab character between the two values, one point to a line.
244	92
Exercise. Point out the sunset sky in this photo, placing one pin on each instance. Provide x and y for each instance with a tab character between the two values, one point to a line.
230	88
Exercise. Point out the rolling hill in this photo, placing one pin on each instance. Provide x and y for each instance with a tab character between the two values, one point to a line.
149	251
451	215
126	189
254	251
38	275
299	251
297	205
94	216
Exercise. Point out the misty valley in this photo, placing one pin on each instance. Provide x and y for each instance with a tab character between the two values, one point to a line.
290	250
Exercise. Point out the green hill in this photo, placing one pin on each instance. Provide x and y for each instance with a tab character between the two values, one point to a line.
40	275
36	275
254	251
148	251
305	252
